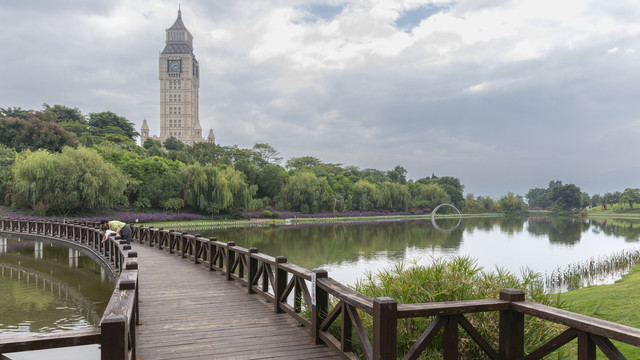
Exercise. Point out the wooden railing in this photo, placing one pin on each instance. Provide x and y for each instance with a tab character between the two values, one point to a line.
293	289
116	332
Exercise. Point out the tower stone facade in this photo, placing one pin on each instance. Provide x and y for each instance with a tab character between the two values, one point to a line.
179	74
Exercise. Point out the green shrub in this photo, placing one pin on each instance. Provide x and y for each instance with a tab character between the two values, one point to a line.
452	279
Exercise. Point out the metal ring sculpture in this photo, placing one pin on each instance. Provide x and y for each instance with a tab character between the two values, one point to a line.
433	220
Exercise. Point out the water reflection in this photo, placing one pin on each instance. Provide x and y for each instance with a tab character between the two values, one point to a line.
350	250
45	288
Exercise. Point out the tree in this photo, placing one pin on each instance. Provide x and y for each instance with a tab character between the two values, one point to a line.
149	143
630	196
66	114
173	143
302	162
107	122
15	112
566	197
7	158
305	192
267	153
366	196
512	204
398	175
538	197
66	181
33	133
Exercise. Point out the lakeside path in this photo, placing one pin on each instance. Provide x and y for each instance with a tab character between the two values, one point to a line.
188	312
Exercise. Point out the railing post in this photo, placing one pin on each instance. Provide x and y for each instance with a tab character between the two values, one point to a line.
281	283
450	338
212	254
231	258
253	269
385	329
113	344
586	347
511	333
320	308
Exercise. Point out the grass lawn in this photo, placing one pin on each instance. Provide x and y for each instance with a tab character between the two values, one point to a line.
619	302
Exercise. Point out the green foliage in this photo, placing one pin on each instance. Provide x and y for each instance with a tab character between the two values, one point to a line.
149	143
630	196
454	279
173	143
173	204
7	158
33	133
108	123
66	114
512	204
428	196
14	112
305	192
70	180
539	198
214	190
267	153
565	197
366	196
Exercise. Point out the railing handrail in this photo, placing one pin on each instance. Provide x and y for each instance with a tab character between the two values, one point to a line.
116	331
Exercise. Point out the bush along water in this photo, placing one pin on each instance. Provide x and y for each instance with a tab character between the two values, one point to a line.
452	279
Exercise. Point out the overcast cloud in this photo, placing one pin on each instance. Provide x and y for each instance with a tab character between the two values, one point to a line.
505	95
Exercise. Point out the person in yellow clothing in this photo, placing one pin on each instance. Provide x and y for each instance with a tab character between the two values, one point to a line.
118	227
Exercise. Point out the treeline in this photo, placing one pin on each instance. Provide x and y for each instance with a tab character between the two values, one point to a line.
59	161
568	197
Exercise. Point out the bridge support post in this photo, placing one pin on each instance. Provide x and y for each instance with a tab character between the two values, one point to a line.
385	329
320	308
511	333
281	283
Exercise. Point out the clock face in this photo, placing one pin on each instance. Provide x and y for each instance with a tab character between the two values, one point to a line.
174	65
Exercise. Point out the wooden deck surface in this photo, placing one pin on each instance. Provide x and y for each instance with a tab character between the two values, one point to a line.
188	312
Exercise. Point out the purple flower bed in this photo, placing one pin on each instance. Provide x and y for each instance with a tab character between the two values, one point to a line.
296	214
128	216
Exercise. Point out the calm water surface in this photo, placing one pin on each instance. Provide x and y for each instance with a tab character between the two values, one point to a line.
349	251
47	288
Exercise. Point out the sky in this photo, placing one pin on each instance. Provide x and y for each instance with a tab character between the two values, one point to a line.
504	95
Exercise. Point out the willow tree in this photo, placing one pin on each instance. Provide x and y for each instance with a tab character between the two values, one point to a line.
67	181
215	189
305	192
367	195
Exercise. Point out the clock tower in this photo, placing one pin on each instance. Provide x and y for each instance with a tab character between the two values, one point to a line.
179	75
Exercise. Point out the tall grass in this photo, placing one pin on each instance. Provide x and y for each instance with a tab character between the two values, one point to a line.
592	271
458	278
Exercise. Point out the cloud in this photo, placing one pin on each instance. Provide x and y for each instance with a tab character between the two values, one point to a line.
505	95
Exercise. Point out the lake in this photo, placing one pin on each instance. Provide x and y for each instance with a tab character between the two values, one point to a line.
349	251
46	288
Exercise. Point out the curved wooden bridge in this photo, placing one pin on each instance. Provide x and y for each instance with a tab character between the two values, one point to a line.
187	312
236	303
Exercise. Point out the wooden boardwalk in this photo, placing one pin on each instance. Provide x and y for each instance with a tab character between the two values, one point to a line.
188	312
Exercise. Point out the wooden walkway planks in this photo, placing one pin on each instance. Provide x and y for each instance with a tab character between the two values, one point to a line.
188	312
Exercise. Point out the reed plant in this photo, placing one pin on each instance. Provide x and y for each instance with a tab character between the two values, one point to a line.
452	279
595	270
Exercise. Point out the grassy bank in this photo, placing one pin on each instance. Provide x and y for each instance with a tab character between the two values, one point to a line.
618	302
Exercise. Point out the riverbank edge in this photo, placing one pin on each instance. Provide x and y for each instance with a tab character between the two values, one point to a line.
224	224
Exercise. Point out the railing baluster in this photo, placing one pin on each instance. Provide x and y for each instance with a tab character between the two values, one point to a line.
511	327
